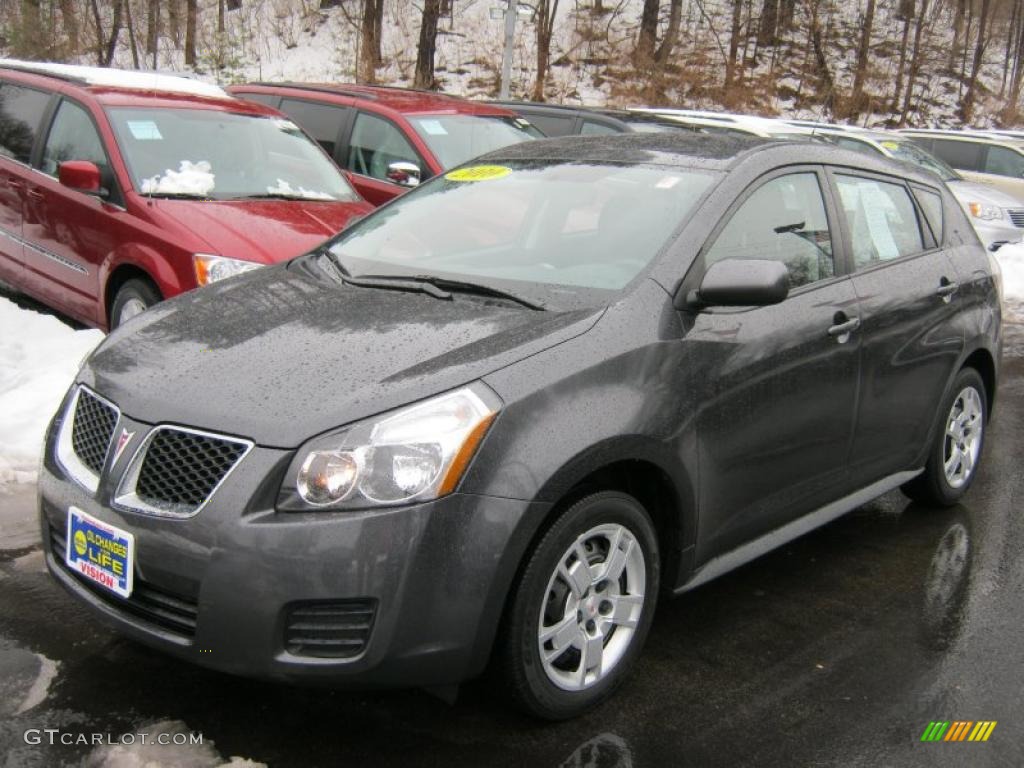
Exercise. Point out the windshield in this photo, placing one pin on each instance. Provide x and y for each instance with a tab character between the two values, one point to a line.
912	153
526	223
454	139
223	156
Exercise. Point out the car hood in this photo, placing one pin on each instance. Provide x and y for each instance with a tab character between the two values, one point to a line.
973	192
281	354
266	231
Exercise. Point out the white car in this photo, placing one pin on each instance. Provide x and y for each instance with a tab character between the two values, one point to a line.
728	123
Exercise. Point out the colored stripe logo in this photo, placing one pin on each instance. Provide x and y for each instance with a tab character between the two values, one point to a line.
959	730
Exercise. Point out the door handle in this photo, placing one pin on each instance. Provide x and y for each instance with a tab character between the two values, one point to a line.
35	194
946	289
843	328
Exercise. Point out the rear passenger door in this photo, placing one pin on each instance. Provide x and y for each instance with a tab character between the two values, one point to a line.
908	292
373	145
777	384
21	113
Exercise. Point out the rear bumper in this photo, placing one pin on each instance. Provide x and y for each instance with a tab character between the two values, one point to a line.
219	589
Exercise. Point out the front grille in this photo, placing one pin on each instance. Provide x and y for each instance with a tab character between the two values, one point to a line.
91	430
179	470
336	629
172	612
1016	216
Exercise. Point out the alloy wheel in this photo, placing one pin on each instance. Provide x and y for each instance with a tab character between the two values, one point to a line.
963	439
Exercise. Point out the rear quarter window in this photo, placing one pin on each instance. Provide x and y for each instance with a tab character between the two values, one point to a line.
931	204
964	155
551	125
21	112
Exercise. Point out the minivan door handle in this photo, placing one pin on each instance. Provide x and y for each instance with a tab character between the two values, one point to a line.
946	289
843	327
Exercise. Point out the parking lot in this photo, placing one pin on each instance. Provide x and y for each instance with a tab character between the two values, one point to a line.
838	649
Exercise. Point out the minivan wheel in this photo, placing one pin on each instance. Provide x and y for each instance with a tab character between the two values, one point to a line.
954	456
582	607
133	298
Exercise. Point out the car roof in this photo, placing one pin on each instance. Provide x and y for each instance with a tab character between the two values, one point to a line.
978	136
701	151
403	100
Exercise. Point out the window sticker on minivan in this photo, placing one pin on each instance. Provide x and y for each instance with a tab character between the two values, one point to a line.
479	173
433	127
144	130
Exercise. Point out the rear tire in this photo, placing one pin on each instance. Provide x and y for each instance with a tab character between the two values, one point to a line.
956	449
573	631
133	298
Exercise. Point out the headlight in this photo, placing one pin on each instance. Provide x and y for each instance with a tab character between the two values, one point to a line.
210	269
413	454
985	211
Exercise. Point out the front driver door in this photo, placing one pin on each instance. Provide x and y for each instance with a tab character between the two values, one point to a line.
776	385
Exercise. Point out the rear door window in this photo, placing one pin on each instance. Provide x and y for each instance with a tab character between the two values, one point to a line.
965	155
591	128
321	121
21	112
1002	161
881	219
269	99
783	220
931	204
552	125
73	137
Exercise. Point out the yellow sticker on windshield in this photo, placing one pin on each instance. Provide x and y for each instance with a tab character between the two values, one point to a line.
478	173
890	145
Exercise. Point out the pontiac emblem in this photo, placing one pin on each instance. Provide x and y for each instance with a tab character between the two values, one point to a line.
122	443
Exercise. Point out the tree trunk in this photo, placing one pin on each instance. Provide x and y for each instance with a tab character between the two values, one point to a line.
734	42
70	19
915	63
675	19
1010	47
787	10
366	67
174	20
768	28
547	10
427	46
131	34
115	33
857	106
191	19
958	32
378	32
967	108
902	65
647	37
825	74
1018	72
152	27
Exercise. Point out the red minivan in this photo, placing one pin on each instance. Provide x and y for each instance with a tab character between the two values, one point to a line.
119	189
390	139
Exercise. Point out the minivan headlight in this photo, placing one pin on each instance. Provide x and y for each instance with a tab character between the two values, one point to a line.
416	453
210	268
985	211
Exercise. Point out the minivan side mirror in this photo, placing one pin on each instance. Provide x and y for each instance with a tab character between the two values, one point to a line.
742	283
81	176
404	174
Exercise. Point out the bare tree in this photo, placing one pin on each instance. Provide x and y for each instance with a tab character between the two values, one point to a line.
734	42
547	10
648	34
69	17
675	18
967	107
152	28
369	42
191	21
857	98
424	77
915	62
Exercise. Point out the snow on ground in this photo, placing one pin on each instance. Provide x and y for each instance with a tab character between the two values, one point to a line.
39	356
154	755
1011	259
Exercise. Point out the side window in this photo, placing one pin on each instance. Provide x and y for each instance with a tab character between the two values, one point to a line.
596	129
21	112
376	144
73	137
964	155
856	146
783	220
321	121
552	125
1004	162
931	204
269	99
881	219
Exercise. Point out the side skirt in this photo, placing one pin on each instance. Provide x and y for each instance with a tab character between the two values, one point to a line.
774	539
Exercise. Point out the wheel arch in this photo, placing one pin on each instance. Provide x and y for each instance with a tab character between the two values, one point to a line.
120	275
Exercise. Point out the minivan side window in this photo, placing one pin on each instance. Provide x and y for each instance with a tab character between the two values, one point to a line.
783	220
21	111
881	219
965	155
73	137
552	125
376	144
1004	162
321	121
931	204
590	128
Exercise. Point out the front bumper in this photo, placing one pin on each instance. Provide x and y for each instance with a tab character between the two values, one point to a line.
220	589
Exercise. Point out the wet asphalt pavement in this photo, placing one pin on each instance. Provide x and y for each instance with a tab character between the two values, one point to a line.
836	650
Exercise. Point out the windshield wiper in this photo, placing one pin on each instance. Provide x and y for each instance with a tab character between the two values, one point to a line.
283	196
177	195
465	286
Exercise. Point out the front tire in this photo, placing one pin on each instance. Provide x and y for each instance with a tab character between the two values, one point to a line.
133	298
582	607
956	450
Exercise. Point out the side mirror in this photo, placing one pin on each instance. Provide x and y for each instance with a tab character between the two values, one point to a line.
742	283
404	174
81	176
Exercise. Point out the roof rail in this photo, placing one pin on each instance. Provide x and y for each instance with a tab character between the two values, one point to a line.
116	78
338	90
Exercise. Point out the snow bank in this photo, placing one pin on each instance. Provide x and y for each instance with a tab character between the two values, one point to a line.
39	356
154	755
1011	259
190	179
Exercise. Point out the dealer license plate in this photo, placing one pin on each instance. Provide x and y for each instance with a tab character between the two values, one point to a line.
100	552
